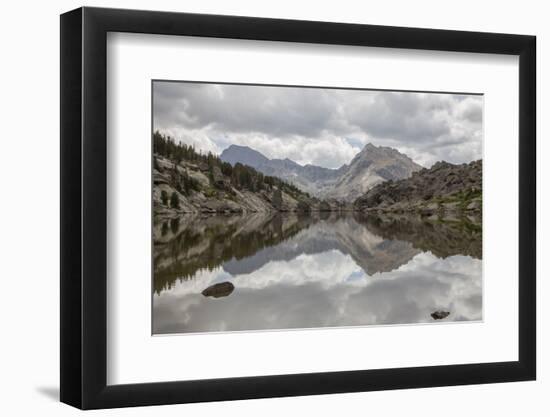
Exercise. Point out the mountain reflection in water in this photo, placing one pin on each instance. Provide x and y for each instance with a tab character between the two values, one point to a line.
319	270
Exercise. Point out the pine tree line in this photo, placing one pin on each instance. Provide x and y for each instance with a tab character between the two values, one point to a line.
240	176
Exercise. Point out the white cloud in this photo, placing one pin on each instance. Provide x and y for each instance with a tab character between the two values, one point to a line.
324	127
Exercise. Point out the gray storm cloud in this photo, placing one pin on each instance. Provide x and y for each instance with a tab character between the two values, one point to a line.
325	127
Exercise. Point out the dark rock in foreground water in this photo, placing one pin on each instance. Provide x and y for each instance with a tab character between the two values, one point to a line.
440	314
223	289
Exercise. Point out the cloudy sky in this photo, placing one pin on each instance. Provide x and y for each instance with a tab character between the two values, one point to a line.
325	127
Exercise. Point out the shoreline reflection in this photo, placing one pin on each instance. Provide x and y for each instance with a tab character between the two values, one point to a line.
288	271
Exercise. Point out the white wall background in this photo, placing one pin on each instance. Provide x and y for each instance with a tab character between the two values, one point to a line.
29	213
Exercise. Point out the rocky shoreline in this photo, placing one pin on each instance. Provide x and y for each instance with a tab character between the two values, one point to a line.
444	190
213	193
188	182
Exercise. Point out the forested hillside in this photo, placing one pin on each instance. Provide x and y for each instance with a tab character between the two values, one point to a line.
189	181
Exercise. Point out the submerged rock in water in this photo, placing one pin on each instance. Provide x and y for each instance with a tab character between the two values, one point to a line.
440	314
222	289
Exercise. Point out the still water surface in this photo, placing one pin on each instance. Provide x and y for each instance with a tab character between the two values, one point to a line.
283	271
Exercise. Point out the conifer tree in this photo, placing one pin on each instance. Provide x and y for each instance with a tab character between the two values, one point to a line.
175	200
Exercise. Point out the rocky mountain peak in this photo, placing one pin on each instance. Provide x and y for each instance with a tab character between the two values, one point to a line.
369	147
372	165
244	155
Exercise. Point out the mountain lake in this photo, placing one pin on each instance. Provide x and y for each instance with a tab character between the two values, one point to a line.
225	273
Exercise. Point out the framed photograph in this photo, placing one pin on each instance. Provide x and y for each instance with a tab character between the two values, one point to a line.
257	208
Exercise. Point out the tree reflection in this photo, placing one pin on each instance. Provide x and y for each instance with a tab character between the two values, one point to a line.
244	243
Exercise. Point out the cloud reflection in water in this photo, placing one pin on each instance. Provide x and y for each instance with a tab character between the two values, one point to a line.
305	288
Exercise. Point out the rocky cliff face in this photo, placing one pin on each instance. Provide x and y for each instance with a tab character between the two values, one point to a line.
441	190
369	167
200	189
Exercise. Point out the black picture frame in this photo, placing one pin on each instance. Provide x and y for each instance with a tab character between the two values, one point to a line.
84	207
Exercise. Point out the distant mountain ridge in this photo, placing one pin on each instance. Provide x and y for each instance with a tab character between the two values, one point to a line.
244	155
371	166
